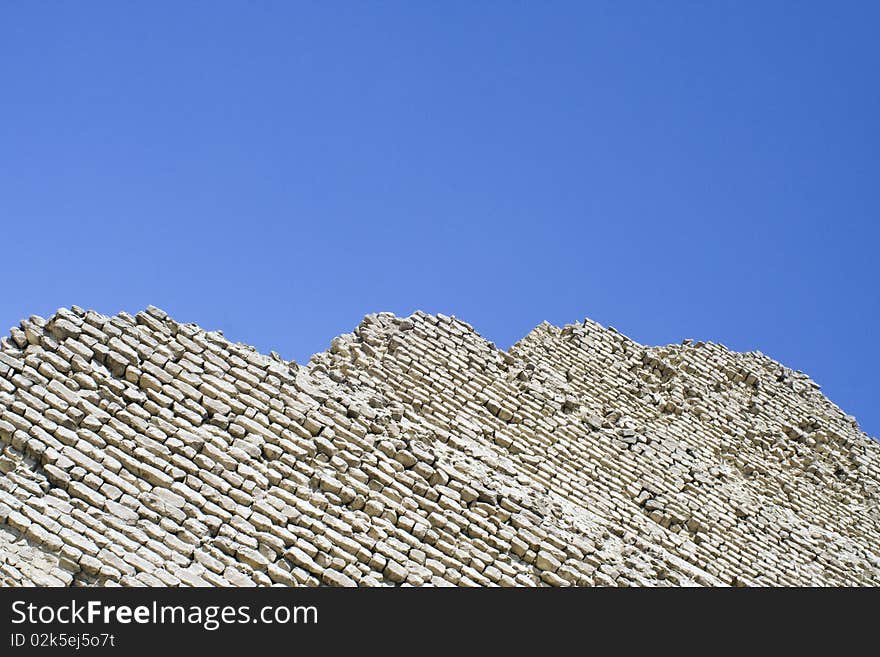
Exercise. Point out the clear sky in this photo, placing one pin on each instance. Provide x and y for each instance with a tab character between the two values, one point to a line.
279	169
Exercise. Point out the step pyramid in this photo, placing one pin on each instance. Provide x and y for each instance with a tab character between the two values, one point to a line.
137	450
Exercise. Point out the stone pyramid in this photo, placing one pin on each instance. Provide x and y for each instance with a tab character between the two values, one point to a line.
137	450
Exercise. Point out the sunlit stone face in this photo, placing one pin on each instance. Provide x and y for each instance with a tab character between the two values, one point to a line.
141	450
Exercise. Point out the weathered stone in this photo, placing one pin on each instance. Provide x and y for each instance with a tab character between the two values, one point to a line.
546	561
63	328
395	572
135	450
168	497
334	578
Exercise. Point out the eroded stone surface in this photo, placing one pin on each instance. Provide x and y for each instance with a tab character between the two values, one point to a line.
140	451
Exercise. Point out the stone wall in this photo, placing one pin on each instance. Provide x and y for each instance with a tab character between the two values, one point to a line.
140	451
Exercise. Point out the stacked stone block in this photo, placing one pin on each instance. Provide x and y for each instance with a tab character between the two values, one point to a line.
136	450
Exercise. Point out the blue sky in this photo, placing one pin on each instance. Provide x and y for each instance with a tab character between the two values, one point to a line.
279	169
